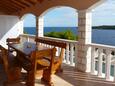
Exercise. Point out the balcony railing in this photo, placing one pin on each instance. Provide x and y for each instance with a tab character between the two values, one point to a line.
102	56
103	61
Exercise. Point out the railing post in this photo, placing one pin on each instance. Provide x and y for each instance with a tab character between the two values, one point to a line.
67	54
71	54
58	51
93	60
75	56
100	62
108	64
114	72
64	57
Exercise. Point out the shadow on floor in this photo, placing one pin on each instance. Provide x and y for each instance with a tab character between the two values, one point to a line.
76	78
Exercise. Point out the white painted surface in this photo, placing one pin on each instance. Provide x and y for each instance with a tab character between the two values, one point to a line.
10	26
41	26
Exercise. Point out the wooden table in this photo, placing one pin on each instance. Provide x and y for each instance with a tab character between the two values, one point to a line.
26	47
24	50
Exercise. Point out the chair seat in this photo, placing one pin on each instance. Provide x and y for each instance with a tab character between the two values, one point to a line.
42	64
56	59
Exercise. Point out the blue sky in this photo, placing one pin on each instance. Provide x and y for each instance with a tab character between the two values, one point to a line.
66	16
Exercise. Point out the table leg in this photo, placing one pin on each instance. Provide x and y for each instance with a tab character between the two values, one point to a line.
46	77
30	78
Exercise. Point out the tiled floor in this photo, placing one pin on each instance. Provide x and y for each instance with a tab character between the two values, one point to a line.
69	77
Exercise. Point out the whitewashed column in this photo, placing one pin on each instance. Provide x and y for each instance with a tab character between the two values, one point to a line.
76	55
114	72
40	25
84	38
100	63
93	60
21	26
67	54
71	54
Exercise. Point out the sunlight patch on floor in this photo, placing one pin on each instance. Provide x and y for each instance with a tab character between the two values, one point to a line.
56	80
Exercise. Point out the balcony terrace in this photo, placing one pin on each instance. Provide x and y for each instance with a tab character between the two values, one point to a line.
71	76
84	63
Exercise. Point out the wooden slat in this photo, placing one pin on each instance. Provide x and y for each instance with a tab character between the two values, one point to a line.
40	1
7	4
6	9
23	2
14	7
28	2
17	3
32	1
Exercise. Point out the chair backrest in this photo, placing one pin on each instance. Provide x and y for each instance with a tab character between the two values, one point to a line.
61	45
50	42
13	40
38	56
4	57
12	71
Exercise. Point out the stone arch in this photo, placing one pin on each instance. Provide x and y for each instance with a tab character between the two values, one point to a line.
49	9
23	16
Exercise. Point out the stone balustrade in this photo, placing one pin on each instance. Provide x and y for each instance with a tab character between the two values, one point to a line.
103	61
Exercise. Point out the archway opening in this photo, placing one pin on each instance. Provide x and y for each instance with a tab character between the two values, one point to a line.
29	24
103	23
61	22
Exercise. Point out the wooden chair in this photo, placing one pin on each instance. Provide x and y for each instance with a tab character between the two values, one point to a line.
1	60
12	41
58	59
36	57
11	67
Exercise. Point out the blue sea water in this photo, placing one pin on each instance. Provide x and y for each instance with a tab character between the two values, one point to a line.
98	36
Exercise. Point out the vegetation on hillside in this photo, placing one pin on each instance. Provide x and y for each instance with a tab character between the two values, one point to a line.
68	34
107	27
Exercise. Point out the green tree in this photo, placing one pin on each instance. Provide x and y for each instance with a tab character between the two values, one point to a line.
68	34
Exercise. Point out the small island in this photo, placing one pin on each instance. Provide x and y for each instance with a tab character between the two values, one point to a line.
107	27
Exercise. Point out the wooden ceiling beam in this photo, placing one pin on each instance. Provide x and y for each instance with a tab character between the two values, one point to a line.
32	1
6	10
23	3
16	6
17	3
10	5
28	2
40	1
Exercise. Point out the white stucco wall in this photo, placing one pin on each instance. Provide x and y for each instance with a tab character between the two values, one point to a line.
10	26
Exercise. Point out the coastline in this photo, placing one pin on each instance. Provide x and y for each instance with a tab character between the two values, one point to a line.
104	27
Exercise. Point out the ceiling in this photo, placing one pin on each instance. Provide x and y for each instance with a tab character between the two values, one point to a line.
10	7
37	7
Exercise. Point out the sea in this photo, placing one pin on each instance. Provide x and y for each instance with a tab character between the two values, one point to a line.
100	36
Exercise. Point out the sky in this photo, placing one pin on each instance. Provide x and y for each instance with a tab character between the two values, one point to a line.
68	17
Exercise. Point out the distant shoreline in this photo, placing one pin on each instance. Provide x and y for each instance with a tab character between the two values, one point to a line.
105	27
102	27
